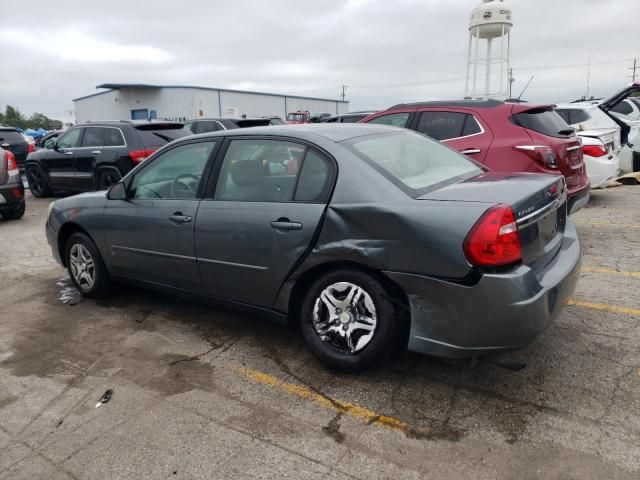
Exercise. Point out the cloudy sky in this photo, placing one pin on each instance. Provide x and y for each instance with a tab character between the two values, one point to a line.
385	51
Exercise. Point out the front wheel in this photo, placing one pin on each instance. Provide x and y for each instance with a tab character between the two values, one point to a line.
86	267
348	321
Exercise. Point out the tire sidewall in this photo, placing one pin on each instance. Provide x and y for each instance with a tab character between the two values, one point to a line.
46	189
382	342
101	282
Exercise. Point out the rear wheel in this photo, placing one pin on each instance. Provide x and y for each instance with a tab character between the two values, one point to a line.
86	267
14	213
38	184
107	178
348	321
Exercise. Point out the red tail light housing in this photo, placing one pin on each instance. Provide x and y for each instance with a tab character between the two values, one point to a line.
139	156
31	148
594	150
494	240
540	153
11	161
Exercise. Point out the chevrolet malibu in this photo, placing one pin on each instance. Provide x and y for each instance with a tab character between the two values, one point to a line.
368	236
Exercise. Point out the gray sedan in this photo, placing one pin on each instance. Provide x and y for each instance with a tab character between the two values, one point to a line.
368	236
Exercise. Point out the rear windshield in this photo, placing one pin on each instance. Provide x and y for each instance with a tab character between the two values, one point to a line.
252	122
413	162
546	122
11	136
157	135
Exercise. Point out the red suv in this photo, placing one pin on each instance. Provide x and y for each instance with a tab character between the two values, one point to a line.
506	137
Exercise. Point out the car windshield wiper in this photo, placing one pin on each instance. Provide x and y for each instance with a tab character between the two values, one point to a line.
164	137
566	131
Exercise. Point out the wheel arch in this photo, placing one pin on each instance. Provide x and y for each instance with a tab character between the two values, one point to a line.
100	169
65	233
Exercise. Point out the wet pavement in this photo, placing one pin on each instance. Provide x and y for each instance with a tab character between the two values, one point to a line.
202	392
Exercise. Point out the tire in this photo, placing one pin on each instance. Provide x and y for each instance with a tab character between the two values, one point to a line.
79	252
38	184
106	178
326	330
14	213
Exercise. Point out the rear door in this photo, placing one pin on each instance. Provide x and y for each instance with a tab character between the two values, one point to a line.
261	218
458	129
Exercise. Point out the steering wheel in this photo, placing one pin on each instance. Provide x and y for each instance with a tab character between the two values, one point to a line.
185	185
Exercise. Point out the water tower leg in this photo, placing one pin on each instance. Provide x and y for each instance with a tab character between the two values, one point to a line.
502	62
487	81
475	63
466	85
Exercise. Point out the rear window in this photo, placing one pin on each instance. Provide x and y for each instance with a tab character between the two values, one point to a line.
413	162
352	118
546	122
11	136
154	135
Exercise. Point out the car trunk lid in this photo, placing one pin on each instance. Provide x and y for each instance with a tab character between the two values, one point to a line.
609	136
538	202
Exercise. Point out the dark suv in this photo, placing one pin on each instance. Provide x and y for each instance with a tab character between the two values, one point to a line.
506	137
95	155
13	141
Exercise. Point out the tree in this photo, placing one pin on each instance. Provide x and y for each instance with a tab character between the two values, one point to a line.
13	118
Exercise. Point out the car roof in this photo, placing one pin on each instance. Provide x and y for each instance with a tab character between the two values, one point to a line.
330	131
8	129
481	103
133	123
578	106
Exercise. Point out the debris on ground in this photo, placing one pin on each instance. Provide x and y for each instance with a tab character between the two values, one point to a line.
105	398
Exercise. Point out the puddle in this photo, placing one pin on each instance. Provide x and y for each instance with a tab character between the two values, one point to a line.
69	295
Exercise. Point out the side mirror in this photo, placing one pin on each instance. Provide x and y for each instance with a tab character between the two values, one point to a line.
50	143
117	192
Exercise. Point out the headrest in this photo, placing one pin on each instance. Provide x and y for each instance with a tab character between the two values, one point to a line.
247	172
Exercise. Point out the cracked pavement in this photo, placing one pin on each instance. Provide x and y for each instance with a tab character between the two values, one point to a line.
182	408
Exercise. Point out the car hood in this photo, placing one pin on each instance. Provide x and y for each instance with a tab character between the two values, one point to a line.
82	200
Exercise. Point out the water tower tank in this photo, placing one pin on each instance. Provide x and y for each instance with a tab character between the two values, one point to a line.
492	19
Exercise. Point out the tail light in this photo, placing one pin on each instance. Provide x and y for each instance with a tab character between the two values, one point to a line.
539	153
11	161
594	150
494	239
31	148
139	156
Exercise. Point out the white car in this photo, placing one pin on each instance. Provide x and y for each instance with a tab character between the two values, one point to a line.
601	161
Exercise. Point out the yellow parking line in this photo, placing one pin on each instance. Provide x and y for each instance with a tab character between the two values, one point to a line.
610	271
604	307
607	224
347	408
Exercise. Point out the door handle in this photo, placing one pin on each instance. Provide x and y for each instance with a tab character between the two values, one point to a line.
469	151
285	224
96	152
178	217
68	153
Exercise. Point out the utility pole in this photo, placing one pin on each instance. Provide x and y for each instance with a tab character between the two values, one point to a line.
511	80
588	76
633	70
344	92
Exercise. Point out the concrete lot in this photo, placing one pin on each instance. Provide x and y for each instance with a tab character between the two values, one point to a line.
203	393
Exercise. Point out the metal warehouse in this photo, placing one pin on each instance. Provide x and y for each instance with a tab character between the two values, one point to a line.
121	101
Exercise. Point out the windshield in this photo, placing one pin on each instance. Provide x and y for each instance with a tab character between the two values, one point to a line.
415	163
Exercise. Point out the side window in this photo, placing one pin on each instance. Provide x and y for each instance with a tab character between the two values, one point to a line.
259	171
70	139
204	127
565	115
471	126
441	125
93	137
315	179
394	119
623	107
113	138
578	116
174	174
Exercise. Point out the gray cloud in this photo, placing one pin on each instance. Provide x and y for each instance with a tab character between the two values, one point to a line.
53	53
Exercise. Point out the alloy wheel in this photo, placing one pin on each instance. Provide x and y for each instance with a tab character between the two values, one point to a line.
36	182
82	266
344	316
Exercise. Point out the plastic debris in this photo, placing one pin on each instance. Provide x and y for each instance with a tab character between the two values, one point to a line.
105	398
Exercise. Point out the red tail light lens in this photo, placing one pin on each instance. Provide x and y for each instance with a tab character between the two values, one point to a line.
539	153
139	156
11	161
594	150
494	239
31	148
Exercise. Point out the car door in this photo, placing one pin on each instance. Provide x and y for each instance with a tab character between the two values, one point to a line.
261	218
86	156
460	130
59	163
150	235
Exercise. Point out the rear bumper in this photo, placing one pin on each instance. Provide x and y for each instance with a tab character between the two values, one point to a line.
601	170
501	312
577	200
11	195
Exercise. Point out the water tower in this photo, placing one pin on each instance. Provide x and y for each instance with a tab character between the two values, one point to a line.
489	22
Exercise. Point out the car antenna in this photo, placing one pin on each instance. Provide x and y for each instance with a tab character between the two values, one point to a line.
525	87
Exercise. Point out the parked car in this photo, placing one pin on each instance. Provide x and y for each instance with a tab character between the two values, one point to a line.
205	125
506	137
352	117
95	155
319	117
629	127
629	107
12	203
276	121
600	159
380	235
13	141
298	117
